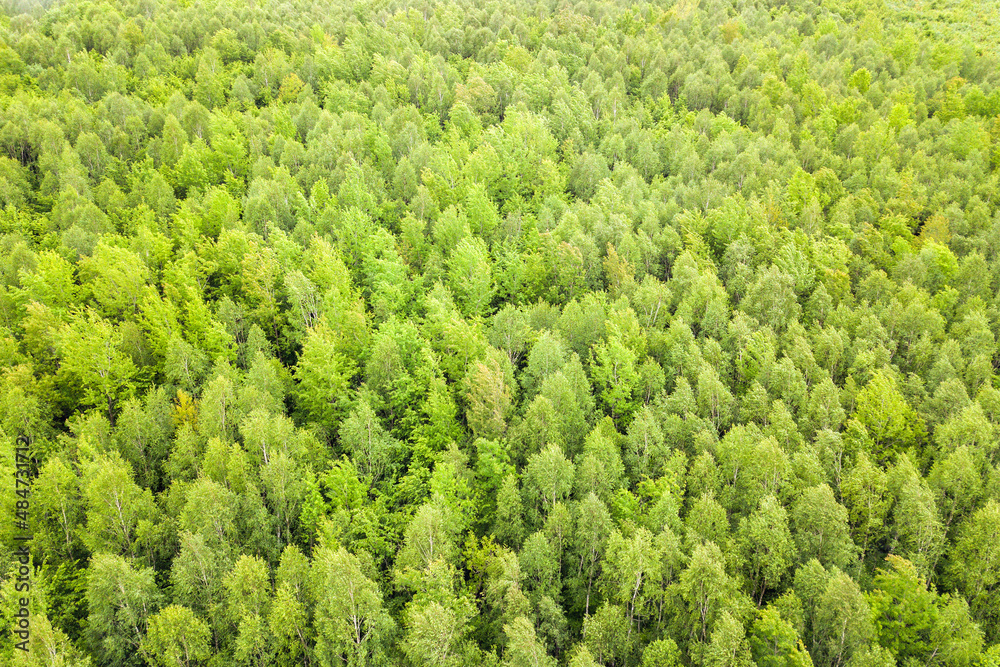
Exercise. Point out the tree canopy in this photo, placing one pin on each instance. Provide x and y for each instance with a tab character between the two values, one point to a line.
502	333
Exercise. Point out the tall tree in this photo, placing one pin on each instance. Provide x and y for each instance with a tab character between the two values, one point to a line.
352	625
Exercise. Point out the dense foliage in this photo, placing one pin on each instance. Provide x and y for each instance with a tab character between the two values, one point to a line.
510	334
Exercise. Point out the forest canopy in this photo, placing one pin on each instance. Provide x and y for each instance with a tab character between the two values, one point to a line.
507	333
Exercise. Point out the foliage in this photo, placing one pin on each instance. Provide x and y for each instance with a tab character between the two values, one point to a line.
580	333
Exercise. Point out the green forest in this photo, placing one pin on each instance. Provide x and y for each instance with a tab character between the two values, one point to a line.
563	333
